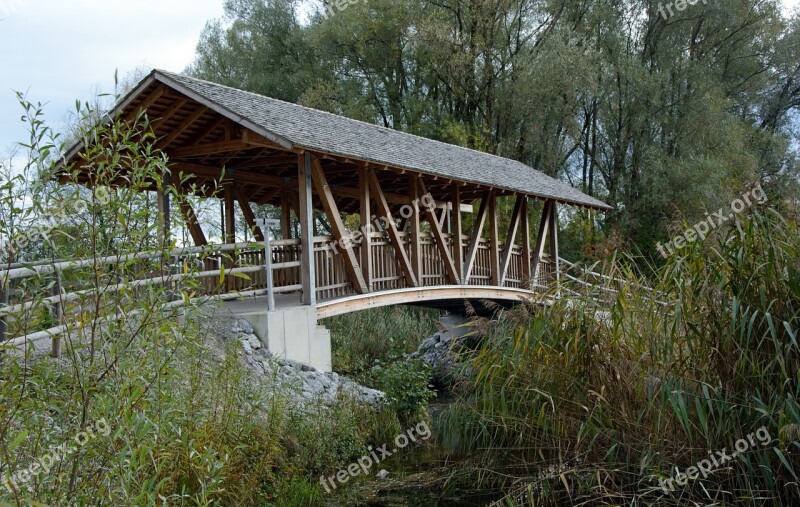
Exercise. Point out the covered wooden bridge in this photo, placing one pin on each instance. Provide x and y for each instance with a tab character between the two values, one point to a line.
423	216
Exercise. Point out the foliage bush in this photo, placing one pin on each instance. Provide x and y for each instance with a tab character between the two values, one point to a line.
407	384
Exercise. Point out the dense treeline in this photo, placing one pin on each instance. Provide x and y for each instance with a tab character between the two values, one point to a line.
663	116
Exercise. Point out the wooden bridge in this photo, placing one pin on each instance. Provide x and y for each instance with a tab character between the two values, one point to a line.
424	216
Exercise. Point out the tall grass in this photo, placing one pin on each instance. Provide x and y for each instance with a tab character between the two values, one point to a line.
580	403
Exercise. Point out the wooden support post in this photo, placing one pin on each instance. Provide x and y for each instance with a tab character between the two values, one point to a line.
526	243
456	227
340	232
494	239
57	312
414	239
511	237
286	210
438	236
554	242
391	228
189	216
544	227
365	213
230	217
306	217
475	238
249	216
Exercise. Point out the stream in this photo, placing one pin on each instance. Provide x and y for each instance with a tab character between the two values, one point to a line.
412	473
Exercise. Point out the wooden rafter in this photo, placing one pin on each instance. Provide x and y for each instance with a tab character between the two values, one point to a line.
249	216
148	102
172	110
438	236
192	223
475	238
391	228
180	129
511	237
338	228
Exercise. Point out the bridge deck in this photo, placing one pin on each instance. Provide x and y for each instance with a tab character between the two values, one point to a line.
483	300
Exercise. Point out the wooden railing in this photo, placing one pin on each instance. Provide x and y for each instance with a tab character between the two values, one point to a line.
27	290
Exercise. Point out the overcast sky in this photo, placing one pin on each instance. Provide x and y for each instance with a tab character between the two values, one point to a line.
58	51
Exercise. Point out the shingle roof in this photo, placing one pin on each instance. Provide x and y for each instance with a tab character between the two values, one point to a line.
316	130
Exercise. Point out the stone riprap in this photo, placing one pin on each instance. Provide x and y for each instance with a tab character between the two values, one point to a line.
299	380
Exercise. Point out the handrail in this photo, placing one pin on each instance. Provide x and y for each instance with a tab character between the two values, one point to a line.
46	269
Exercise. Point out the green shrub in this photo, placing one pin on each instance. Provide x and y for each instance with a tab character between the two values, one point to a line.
407	384
383	334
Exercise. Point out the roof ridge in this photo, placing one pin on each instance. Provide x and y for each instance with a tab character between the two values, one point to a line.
379	127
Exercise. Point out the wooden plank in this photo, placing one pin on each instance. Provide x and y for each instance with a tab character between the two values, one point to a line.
189	216
365	213
249	216
415	228
391	228
306	217
441	242
511	237
526	242
475	238
339	230
544	227
494	238
455	217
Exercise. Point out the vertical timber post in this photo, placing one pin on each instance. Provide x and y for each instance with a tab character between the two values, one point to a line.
365	213
286	211
526	244
458	249
554	243
414	233
494	238
306	229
